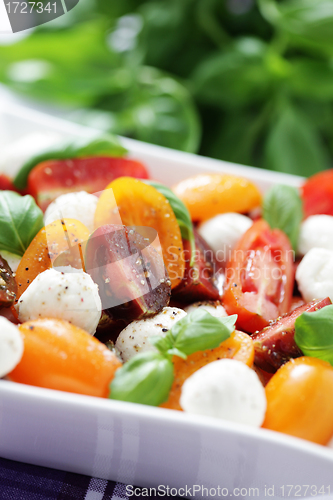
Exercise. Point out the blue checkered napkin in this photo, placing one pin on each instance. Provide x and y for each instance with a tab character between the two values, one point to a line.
20	481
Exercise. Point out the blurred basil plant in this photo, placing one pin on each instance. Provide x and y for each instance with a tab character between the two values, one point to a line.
241	80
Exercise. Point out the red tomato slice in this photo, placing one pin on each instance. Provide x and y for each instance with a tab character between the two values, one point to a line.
50	179
275	345
317	194
259	277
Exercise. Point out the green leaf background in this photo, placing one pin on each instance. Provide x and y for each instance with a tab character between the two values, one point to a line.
248	81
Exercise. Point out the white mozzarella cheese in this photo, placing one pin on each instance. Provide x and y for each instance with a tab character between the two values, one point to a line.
223	231
316	232
314	274
11	346
135	337
70	296
214	308
226	389
80	206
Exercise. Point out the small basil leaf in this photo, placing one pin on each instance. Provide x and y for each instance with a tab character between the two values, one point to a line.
176	352
314	333
163	344
20	221
80	148
146	379
181	212
199	331
283	209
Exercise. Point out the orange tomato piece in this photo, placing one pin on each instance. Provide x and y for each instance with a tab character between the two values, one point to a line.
238	346
206	195
58	355
62	237
300	400
131	202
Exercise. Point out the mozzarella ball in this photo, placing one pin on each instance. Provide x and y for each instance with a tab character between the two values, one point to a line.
134	338
223	231
79	206
225	389
70	296
314	274
316	232
214	308
11	346
12	259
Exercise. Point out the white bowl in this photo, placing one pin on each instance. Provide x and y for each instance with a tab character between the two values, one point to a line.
141	445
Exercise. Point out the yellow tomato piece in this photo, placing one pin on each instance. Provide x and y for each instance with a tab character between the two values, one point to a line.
131	202
300	400
57	243
238	346
206	195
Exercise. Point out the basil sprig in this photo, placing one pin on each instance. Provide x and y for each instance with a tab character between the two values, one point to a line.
181	212
20	221
314	333
147	377
107	145
197	331
283	209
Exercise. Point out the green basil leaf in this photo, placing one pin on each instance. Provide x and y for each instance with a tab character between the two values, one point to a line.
162	343
146	379
20	221
80	148
198	331
314	333
181	212
283	209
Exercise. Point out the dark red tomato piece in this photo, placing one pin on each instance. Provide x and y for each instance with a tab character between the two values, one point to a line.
259	277
275	345
132	280
52	178
317	194
8	286
201	280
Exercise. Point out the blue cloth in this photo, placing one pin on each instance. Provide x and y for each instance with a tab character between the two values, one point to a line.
19	481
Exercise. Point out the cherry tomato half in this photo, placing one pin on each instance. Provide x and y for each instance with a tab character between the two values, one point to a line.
317	194
50	179
259	277
62	239
300	400
58	355
206	195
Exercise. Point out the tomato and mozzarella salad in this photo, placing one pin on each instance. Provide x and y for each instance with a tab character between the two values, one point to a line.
207	297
